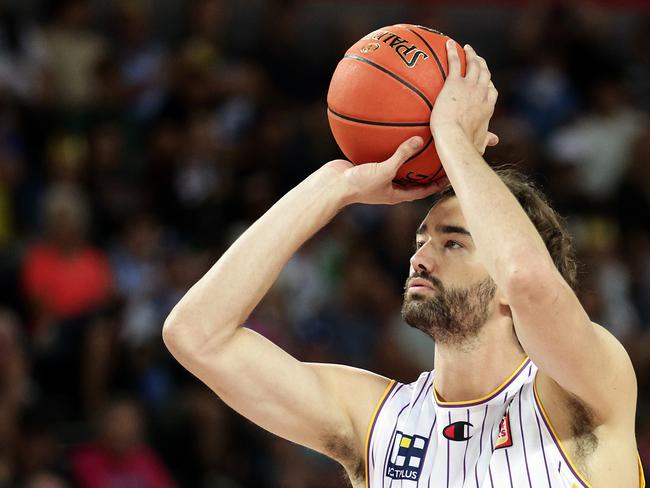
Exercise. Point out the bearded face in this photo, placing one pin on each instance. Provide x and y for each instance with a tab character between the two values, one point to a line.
451	316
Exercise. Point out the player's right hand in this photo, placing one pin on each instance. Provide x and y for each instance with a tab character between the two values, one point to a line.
373	182
466	101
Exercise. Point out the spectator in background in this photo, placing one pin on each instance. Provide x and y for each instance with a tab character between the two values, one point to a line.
46	479
67	283
119	455
73	52
11	171
142	61
138	263
596	149
63	275
14	384
22	57
113	176
39	448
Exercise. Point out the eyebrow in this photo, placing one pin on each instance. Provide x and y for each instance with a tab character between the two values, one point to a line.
444	229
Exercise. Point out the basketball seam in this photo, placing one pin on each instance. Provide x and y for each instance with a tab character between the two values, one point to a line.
384	124
435	56
392	75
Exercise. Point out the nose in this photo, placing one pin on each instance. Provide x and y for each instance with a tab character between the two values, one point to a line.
423	260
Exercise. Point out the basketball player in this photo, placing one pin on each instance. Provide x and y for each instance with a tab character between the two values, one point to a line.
526	390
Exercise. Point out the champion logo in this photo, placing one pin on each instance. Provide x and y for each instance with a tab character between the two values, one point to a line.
458	431
504	439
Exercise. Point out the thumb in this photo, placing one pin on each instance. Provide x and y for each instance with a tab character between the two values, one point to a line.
405	150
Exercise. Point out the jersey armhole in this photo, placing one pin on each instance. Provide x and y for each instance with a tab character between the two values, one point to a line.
558	443
371	426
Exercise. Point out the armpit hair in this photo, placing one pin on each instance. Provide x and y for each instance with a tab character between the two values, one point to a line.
582	428
348	457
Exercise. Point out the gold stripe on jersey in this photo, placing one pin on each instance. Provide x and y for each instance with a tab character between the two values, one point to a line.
641	475
372	421
495	392
576	471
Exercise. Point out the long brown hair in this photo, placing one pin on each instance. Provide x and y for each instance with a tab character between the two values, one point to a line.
547	221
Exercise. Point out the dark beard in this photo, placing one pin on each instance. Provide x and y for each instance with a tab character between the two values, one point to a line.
452	316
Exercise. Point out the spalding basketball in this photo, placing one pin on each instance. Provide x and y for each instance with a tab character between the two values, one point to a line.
382	92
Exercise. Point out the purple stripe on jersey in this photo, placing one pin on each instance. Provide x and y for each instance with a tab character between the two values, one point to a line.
424	387
466	446
492	438
505	398
430	434
559	448
509	472
492	447
523	440
392	437
390	395
541	442
530	369
492	396
372	427
480	447
448	454
559	466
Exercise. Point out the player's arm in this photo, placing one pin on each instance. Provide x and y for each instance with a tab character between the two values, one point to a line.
550	322
324	407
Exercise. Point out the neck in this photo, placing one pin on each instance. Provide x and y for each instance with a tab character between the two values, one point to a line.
468	373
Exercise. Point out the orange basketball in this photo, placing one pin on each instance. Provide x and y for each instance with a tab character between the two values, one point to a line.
382	93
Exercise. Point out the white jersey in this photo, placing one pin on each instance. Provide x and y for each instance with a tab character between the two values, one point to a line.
503	440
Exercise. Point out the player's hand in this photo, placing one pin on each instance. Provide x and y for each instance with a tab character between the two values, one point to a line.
373	182
466	101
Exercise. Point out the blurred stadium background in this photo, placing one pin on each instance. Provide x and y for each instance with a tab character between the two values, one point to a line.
139	138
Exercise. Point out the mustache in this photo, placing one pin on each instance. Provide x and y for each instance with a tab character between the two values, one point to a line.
435	282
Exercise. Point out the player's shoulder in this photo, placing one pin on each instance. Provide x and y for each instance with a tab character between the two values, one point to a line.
412	392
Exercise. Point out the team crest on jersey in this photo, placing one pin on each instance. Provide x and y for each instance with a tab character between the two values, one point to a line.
407	456
504	439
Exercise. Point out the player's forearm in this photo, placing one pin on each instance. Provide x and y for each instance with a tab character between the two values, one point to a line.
503	234
224	297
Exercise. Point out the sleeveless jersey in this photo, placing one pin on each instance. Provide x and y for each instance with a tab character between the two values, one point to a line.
503	440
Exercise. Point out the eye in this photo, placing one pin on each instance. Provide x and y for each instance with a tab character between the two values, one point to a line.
453	245
418	245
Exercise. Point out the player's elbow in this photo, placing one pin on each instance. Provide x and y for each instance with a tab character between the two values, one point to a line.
528	283
187	335
181	333
172	333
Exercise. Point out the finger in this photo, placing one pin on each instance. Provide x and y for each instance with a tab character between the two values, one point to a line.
452	59
473	66
405	150
484	75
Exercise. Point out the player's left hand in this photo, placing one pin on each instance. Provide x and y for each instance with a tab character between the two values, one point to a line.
466	101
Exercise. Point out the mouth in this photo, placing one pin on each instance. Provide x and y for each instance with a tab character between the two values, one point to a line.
419	284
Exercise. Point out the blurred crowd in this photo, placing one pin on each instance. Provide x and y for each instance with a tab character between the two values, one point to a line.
139	138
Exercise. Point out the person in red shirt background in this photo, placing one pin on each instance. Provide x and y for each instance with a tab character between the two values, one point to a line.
68	285
118	456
